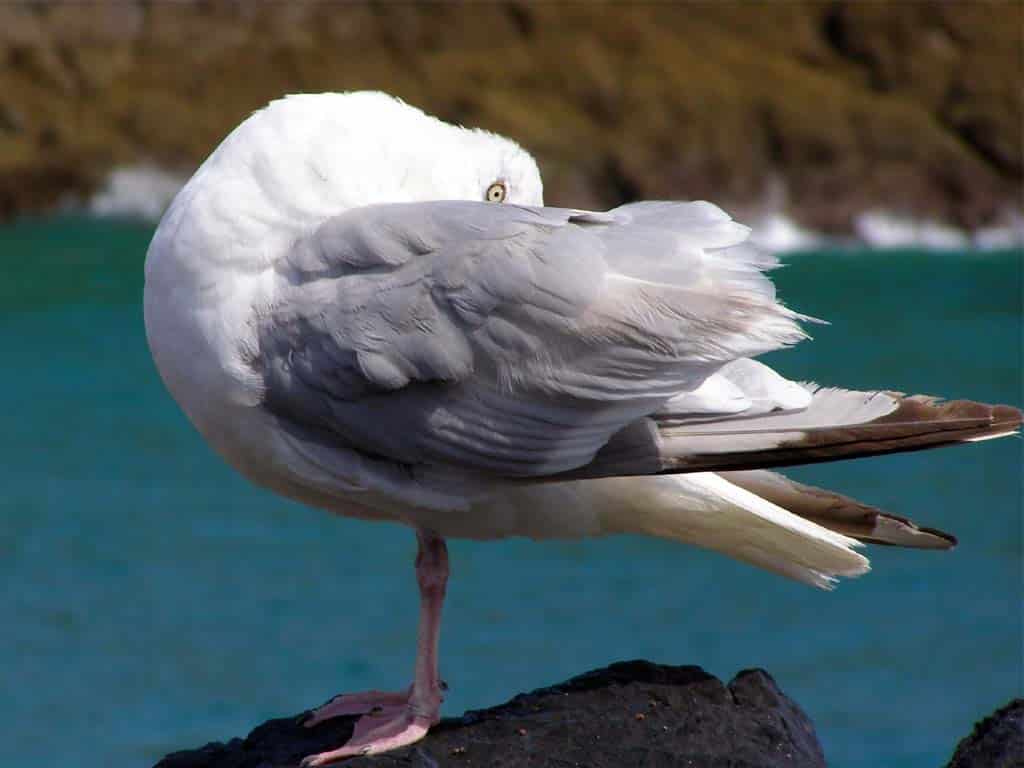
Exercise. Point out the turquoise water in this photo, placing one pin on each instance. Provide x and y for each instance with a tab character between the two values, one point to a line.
152	600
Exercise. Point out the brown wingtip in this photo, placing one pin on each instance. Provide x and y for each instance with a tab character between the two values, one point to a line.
918	422
952	413
1007	416
889	530
949	537
893	530
840	513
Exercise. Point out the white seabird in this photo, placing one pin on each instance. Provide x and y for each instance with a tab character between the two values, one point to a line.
369	310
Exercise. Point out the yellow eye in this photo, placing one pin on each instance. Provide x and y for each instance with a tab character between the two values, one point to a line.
496	192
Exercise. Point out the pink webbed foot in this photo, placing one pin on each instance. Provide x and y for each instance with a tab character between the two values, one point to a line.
382	730
365	703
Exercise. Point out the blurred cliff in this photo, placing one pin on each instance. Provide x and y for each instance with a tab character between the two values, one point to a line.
824	109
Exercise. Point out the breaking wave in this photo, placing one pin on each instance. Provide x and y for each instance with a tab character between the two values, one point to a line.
885	230
136	191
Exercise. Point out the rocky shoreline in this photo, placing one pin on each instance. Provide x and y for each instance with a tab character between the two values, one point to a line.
822	110
630	713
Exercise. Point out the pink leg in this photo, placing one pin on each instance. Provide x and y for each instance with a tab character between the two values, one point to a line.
392	720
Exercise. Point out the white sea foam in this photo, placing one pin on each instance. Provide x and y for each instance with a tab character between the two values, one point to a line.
775	231
139	191
1009	233
881	229
778	232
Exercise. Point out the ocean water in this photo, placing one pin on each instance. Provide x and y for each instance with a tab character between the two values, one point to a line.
152	600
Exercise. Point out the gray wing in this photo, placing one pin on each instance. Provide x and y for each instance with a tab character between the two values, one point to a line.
504	339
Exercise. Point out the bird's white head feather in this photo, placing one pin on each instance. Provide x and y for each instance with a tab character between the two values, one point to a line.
307	157
344	150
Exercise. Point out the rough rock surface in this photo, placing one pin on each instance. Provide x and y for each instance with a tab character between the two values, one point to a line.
996	742
913	107
629	714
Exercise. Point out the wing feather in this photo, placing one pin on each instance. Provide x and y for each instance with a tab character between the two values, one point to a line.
505	339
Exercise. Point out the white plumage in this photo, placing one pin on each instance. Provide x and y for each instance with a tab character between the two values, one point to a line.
348	322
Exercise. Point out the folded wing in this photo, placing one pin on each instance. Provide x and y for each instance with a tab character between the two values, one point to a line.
508	340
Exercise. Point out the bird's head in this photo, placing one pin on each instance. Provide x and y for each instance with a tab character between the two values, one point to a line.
321	154
304	159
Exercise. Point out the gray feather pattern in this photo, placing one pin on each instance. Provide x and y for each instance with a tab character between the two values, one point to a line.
507	339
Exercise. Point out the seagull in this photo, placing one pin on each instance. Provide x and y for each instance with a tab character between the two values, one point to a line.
371	311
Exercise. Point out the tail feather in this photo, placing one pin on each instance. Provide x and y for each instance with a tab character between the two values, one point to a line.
708	511
839	513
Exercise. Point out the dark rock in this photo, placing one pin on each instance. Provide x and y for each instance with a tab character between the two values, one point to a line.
996	742
629	714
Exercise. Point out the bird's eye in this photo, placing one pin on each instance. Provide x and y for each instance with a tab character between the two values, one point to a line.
496	192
